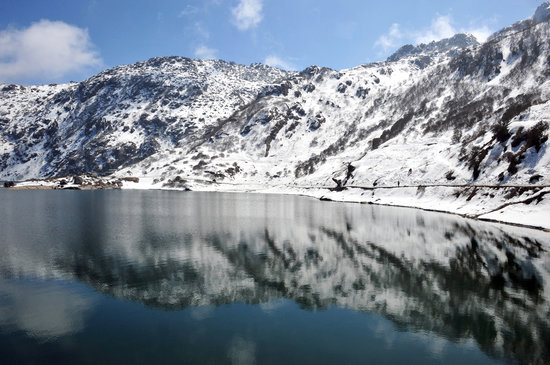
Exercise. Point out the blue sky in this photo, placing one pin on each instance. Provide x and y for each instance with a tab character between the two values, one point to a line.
43	41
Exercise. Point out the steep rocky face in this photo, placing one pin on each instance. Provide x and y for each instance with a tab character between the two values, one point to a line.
452	110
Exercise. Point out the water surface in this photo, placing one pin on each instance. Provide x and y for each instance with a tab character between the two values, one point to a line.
198	278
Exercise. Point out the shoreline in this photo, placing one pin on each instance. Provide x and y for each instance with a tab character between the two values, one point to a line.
516	205
470	206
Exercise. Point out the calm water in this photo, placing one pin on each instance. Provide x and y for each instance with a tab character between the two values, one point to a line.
206	278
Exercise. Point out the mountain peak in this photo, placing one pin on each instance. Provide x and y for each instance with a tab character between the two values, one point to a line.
449	46
542	13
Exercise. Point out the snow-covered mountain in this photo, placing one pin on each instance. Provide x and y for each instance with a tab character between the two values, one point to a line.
120	116
453	111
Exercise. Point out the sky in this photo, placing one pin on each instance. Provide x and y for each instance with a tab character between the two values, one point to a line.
53	41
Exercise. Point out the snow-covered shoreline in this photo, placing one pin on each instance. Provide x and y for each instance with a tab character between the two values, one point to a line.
525	206
520	205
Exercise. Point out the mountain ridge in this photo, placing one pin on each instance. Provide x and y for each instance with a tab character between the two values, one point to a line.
423	53
450	112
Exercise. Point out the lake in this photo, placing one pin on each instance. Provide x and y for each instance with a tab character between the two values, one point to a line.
158	277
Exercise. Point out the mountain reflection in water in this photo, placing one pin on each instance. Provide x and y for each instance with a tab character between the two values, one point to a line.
458	279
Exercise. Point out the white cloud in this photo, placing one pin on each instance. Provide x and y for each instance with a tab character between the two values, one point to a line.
441	27
46	312
275	61
481	33
390	40
47	50
188	10
247	14
201	31
204	52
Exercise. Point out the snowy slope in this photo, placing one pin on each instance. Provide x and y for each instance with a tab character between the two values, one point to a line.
121	115
441	120
450	112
